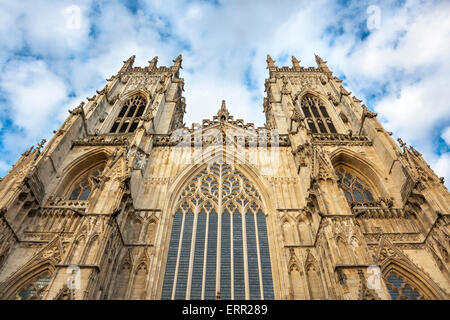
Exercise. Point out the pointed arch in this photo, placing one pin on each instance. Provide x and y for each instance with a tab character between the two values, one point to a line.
249	170
77	249
122	280
139	282
90	252
304	221
234	212
357	251
361	167
133	226
316	291
297	287
308	91
129	112
30	282
316	110
130	94
81	169
150	230
295	279
407	282
344	253
314	279
288	228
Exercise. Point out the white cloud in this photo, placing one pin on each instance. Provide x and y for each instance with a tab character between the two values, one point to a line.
33	93
34	96
404	62
4	167
446	135
442	167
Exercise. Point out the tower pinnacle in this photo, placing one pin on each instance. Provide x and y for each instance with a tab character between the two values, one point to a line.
153	62
295	63
270	62
223	113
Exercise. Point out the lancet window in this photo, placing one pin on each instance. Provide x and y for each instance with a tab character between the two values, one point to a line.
131	112
355	189
316	115
82	189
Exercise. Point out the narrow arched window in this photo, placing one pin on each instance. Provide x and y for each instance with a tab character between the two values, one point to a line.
128	118
356	190
34	289
219	220
316	115
83	187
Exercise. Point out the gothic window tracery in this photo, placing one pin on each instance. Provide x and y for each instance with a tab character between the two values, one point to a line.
34	290
219	220
355	189
400	288
82	189
131	112
316	115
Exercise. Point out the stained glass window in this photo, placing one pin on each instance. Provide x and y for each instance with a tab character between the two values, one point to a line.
400	289
230	240
355	189
35	289
82	189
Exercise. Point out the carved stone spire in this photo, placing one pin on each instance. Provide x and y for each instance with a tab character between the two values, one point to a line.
270	62
27	153
128	64
320	61
223	113
295	64
153	62
130	59
40	145
322	64
402	144
177	62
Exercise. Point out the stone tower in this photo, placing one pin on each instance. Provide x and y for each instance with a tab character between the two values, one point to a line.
126	202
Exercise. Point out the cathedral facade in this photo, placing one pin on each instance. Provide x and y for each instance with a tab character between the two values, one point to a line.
127	202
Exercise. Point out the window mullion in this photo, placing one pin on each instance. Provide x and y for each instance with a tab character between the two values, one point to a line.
122	119
244	247
219	237
191	258
231	256
205	254
259	258
178	257
313	118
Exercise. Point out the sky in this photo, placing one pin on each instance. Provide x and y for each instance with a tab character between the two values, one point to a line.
393	55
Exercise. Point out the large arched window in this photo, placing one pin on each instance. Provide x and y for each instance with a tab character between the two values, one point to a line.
316	115
128	118
400	288
355	189
34	289
83	187
218	246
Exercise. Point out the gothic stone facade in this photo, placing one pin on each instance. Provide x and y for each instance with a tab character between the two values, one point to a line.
126	202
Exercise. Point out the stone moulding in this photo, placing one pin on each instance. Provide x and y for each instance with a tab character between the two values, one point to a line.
168	140
103	140
334	139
